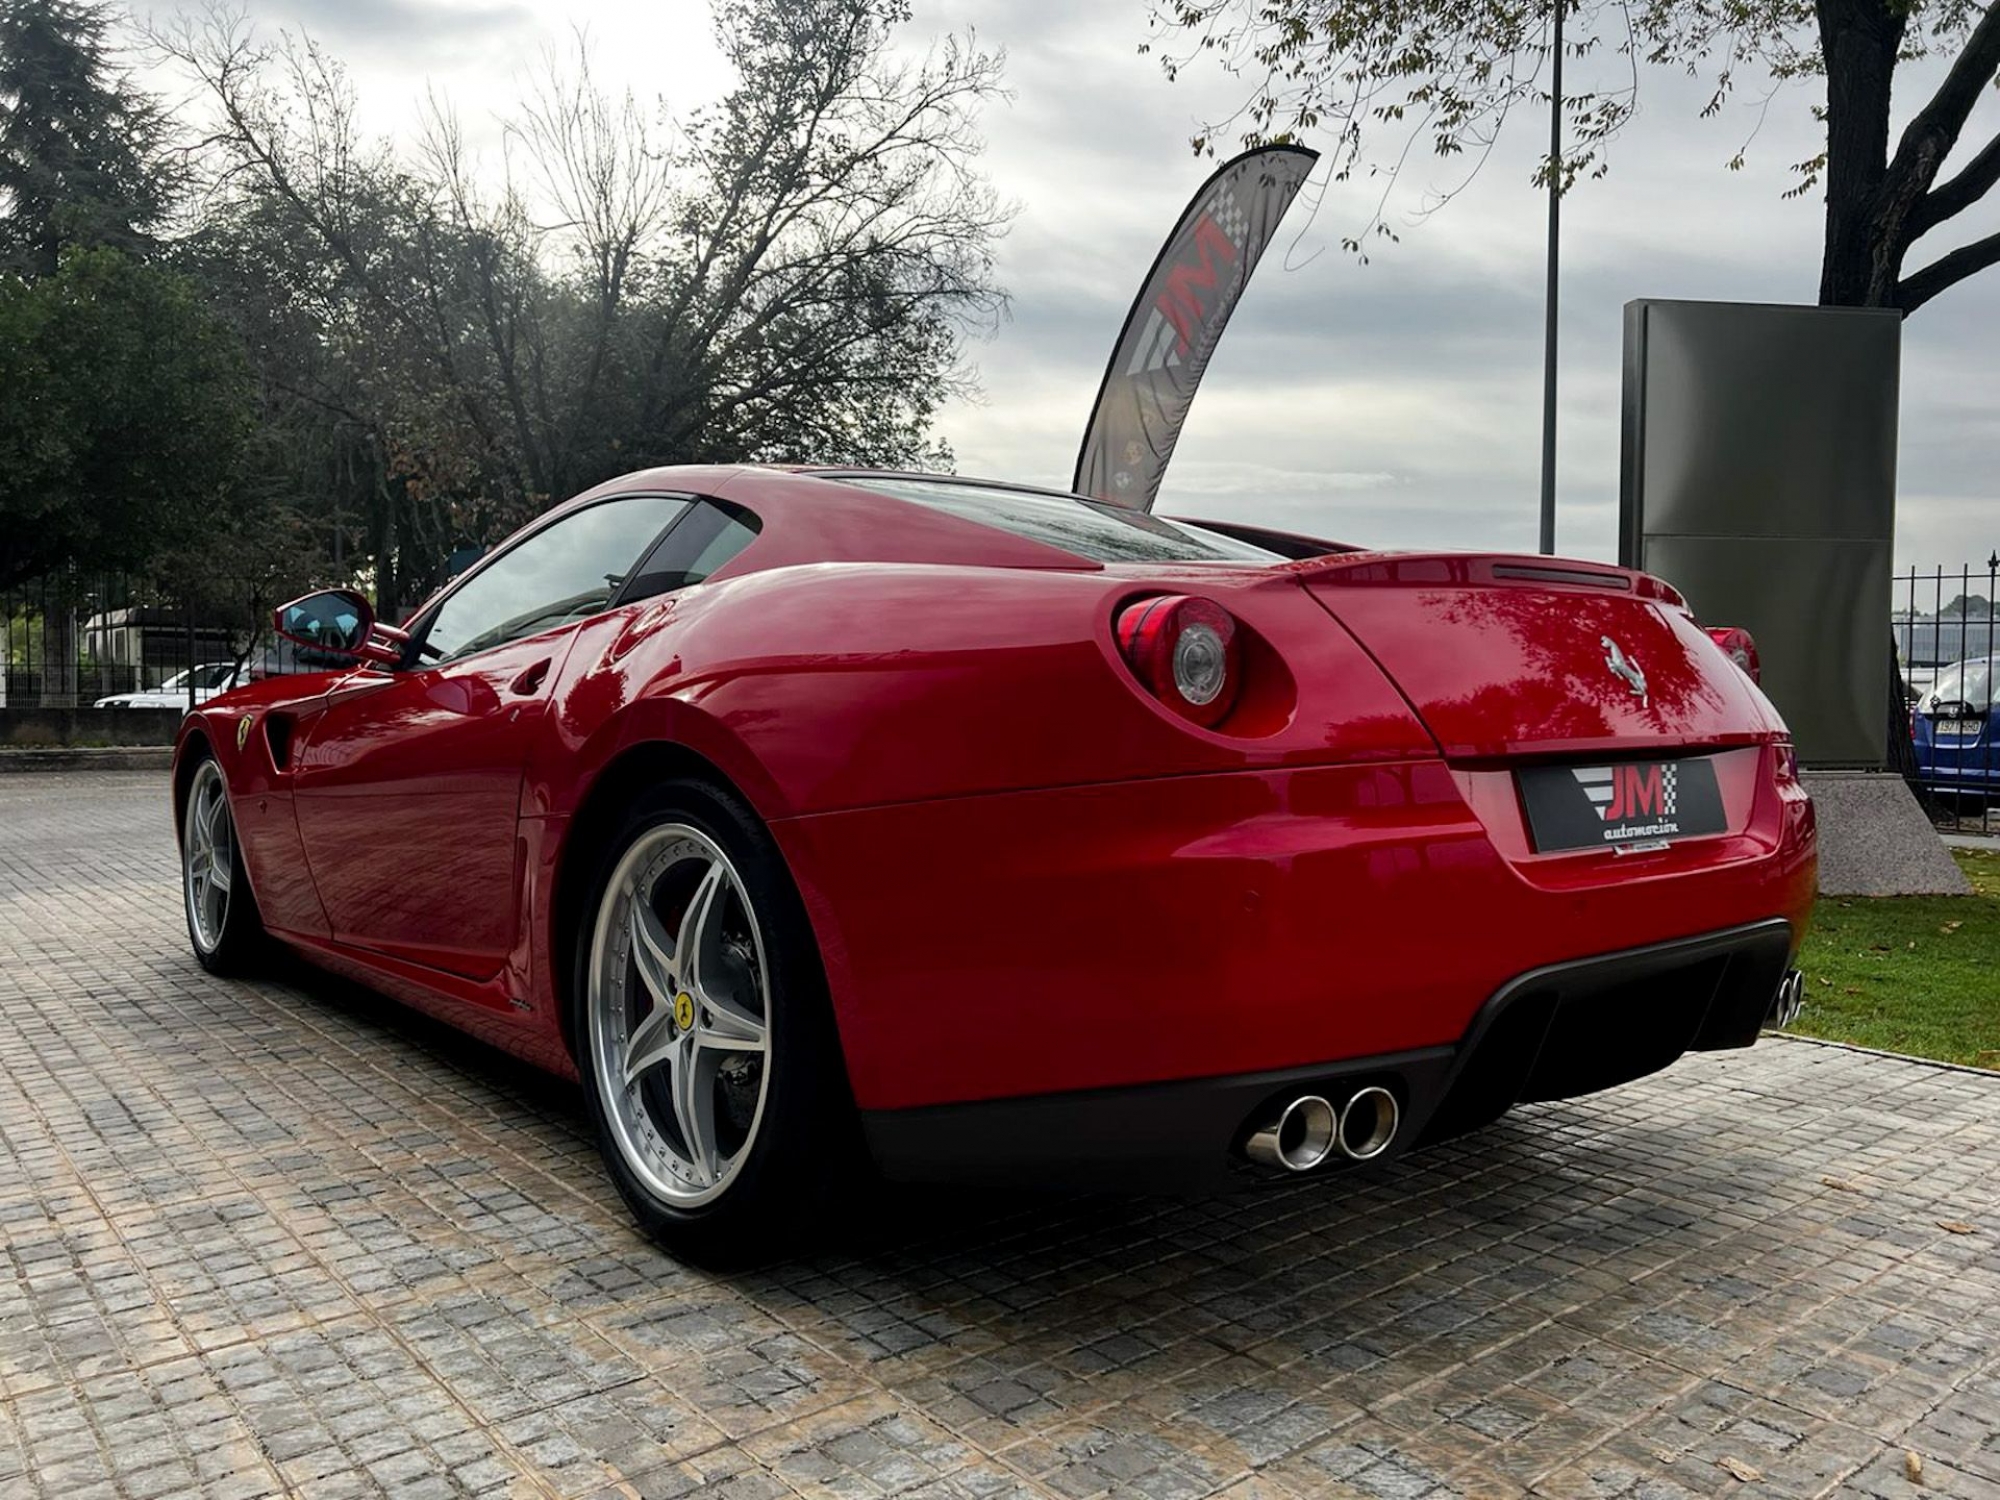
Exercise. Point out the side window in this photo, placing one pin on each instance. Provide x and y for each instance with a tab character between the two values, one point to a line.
708	536
566	571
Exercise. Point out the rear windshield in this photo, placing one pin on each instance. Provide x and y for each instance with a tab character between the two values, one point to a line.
1969	683
1102	533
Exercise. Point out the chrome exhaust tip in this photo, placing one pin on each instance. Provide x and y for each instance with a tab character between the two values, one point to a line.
1299	1139
1788	1002
1368	1123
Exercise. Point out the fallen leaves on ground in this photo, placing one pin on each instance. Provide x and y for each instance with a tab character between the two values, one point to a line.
1745	1472
1841	1184
1913	1466
1954	1226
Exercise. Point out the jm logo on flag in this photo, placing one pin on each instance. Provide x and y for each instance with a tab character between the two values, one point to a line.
1621	793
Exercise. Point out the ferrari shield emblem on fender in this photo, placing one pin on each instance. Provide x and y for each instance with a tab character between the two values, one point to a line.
242	733
1624	667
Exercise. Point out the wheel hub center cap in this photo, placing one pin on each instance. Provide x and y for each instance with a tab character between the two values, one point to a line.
684	1011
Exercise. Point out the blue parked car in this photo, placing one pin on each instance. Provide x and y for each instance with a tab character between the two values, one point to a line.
1956	727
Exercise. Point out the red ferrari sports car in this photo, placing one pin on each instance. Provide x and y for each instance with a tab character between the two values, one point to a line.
818	816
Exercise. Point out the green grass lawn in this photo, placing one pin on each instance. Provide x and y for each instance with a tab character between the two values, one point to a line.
1917	974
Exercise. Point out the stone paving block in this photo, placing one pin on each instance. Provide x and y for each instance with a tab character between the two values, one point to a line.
1887	1479
284	1237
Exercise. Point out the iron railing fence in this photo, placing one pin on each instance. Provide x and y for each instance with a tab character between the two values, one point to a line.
1948	652
72	640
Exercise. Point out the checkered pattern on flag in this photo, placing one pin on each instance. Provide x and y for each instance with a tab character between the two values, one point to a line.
1173	328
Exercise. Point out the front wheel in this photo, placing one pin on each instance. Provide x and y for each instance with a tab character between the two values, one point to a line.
704	1037
222	918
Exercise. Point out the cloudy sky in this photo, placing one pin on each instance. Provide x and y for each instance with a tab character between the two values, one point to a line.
1396	403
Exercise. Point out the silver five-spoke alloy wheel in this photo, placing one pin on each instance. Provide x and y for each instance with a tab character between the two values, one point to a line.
208	856
679	1013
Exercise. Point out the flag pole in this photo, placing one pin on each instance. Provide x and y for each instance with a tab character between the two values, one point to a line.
1548	538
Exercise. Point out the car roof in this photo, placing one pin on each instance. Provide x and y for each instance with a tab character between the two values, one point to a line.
810	516
804	480
839	513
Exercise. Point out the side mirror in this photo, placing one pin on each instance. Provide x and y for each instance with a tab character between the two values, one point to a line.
338	622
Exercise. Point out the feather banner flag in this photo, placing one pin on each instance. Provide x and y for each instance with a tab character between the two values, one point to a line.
1173	328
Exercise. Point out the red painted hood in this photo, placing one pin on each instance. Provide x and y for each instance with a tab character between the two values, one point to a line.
1503	656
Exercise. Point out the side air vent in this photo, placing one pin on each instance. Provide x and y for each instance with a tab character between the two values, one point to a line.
278	735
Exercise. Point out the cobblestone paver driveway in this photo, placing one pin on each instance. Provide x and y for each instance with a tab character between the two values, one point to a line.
286	1238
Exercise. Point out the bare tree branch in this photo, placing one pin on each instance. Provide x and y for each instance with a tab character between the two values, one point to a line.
1959	192
1947	271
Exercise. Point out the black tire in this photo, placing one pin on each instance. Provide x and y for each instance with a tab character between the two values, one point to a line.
804	1138
233	941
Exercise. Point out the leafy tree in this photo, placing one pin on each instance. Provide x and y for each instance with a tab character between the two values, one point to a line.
261	550
787	275
123	409
1445	74
80	157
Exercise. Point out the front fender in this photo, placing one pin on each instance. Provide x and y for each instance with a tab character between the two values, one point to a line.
230	726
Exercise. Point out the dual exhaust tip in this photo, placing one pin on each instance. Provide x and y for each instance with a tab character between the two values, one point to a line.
1311	1128
1788	1002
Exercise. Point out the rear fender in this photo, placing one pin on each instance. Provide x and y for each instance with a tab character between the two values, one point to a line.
624	684
826	687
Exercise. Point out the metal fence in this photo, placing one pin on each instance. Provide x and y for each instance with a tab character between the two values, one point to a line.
1948	652
72	641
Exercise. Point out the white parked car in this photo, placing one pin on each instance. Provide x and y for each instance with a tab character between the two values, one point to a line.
210	678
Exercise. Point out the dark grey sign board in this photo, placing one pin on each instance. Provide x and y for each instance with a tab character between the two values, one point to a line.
1759	478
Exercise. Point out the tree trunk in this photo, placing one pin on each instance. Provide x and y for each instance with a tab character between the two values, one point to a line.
1860	39
389	565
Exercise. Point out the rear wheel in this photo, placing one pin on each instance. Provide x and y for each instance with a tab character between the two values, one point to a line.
223	923
704	1038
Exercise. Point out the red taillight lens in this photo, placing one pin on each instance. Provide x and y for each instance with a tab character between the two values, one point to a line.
1737	645
1184	650
1787	761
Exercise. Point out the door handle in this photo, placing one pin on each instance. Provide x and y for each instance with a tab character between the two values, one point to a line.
530	680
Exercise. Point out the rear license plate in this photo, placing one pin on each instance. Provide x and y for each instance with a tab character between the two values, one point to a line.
1611	806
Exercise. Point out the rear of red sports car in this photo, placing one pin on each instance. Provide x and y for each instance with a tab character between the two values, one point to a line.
1402	841
1063	841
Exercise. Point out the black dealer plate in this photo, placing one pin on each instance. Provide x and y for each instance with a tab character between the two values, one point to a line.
1620	804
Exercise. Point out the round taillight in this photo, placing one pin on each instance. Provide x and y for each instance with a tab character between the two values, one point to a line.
1184	650
1737	645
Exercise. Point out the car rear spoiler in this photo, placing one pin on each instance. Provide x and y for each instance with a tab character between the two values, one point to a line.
1284	543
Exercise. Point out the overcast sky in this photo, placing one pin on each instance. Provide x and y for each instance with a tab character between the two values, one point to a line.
1396	403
